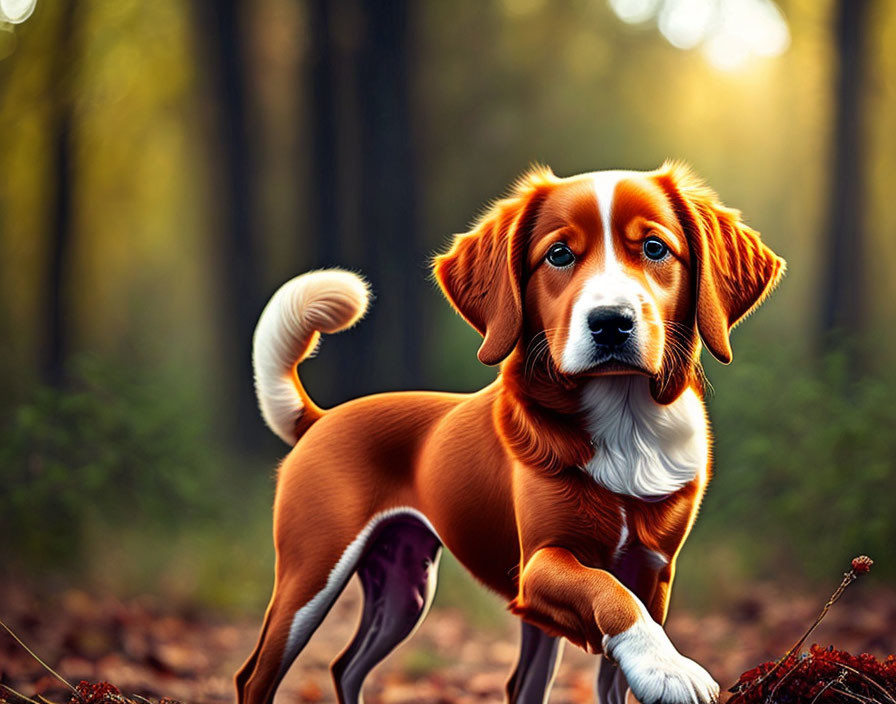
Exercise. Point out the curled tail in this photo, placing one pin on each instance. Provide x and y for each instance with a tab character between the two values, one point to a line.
288	330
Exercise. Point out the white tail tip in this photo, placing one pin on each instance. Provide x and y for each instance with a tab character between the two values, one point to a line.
324	301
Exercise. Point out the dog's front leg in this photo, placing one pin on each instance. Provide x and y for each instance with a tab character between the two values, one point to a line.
591	608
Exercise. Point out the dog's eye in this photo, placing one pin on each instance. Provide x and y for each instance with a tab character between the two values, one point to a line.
560	256
655	249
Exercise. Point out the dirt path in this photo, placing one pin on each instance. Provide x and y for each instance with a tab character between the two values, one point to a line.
146	647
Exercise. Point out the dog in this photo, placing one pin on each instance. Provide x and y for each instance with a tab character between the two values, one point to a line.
568	485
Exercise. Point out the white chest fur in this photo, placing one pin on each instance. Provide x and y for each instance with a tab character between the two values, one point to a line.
642	448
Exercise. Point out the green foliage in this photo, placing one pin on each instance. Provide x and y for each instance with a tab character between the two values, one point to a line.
120	466
112	449
423	662
459	590
804	462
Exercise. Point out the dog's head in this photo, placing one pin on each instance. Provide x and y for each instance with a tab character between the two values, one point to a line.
612	272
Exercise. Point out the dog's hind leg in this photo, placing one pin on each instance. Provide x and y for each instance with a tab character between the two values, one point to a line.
290	620
533	675
302	597
398	576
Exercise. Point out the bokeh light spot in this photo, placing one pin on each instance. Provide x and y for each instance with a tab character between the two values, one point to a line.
16	11
685	23
729	32
635	11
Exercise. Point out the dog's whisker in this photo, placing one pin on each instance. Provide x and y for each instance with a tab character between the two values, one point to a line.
539	347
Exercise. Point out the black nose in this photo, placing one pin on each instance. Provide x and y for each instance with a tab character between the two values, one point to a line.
610	327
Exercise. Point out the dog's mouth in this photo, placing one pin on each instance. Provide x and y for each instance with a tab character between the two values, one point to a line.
617	367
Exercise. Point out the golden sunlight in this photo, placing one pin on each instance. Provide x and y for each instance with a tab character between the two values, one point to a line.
730	33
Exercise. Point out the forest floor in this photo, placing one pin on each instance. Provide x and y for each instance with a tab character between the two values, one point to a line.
147	647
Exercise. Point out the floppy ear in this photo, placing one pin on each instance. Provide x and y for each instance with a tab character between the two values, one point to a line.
482	273
735	271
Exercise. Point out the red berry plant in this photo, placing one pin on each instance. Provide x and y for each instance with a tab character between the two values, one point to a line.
82	693
821	675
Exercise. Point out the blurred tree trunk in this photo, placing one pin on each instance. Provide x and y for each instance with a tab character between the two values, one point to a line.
327	207
323	80
220	32
844	292
58	301
388	192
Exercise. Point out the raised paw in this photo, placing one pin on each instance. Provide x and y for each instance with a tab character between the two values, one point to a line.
656	672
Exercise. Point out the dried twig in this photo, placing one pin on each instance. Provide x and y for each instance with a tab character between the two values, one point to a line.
787	674
42	663
830	684
854	695
19	697
865	677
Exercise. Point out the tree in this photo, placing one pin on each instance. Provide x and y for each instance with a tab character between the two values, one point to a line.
220	40
324	133
388	197
59	245
360	110
327	221
844	291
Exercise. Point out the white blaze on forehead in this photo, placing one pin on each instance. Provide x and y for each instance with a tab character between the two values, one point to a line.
608	286
605	183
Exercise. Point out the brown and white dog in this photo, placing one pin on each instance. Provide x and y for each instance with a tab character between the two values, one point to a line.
568	485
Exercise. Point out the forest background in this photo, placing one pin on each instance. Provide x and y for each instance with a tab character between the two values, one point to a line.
166	165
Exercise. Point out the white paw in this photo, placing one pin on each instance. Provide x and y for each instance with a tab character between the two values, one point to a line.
656	672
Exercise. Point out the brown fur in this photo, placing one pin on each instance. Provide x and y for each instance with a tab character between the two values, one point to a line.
496	472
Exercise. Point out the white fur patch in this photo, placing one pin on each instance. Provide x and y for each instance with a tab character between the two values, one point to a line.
608	287
642	448
323	301
605	183
308	618
654	669
656	560
623	534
